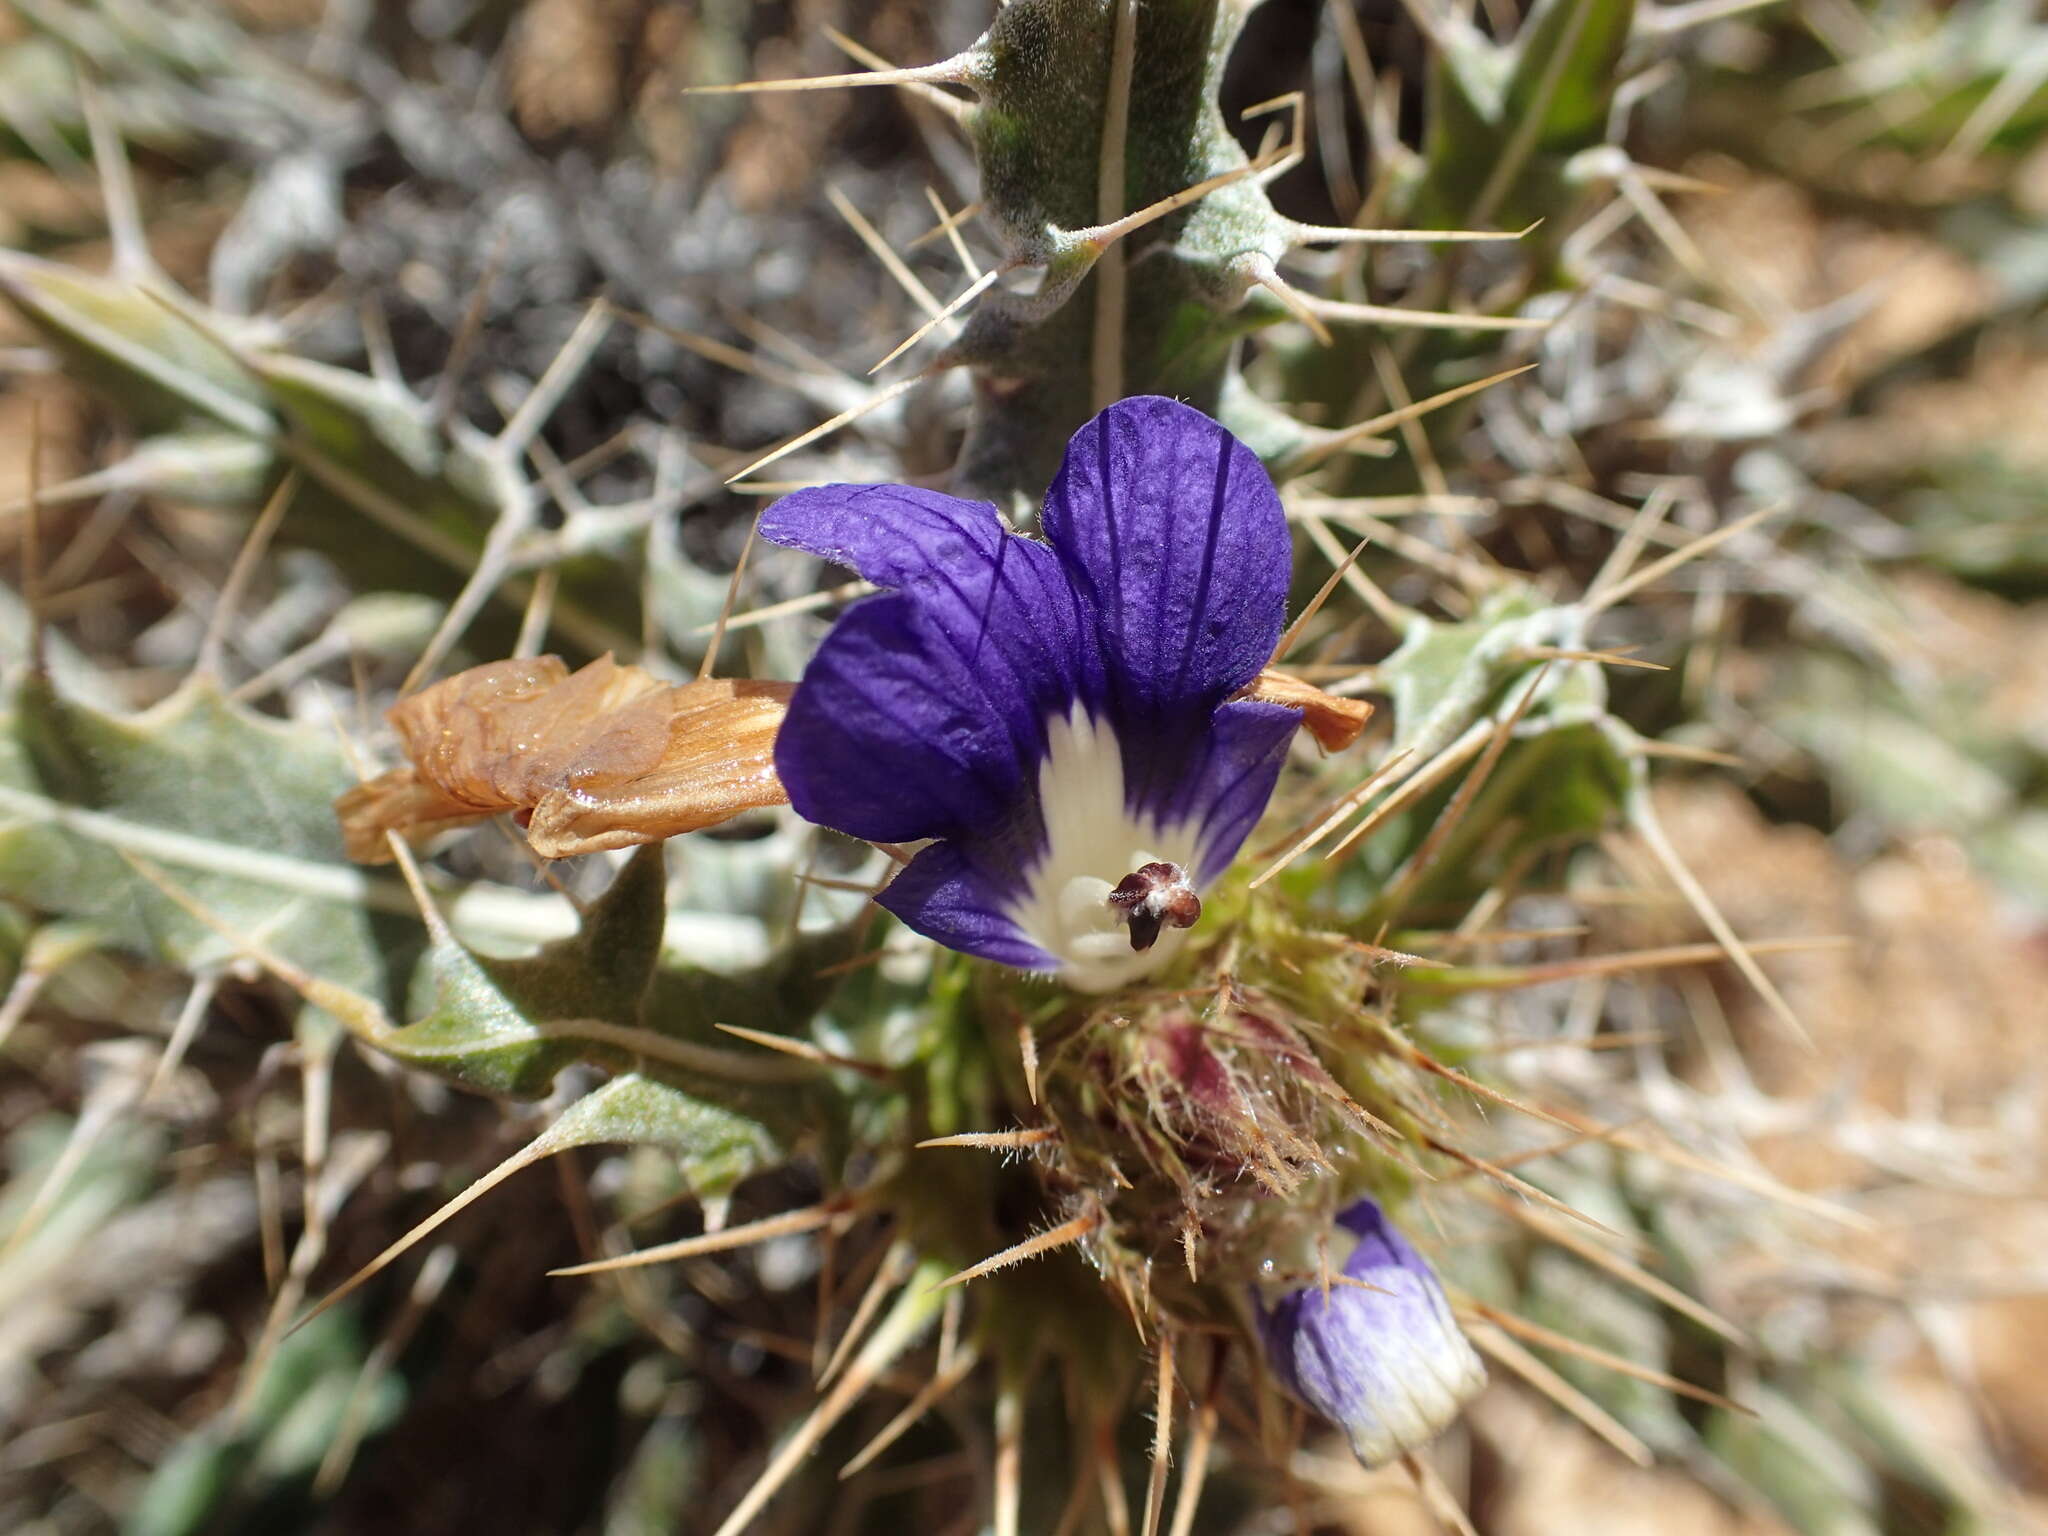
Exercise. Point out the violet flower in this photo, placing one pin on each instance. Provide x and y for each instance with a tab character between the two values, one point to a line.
1388	1365
1056	717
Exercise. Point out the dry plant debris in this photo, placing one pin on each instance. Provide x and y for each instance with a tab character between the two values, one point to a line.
606	757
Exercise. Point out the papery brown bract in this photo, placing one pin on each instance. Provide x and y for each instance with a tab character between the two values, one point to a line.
1335	722
607	757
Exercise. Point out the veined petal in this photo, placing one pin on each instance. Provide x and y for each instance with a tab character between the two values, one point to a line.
893	535
886	740
1171	529
1052	713
944	896
924	713
997	599
1241	759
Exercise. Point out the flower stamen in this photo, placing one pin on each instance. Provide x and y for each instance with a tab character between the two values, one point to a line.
1153	895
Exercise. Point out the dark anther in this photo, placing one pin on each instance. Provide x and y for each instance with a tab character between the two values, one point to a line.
1152	896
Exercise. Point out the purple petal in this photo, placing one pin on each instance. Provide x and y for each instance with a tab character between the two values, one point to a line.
893	535
946	898
1172	530
923	714
1241	759
889	738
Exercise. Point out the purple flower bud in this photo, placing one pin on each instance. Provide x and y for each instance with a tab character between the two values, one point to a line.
1388	1365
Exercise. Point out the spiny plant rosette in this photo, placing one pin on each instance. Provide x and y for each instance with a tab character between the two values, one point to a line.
1128	1154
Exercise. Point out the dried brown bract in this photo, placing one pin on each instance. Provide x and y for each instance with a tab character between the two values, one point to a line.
605	758
1334	722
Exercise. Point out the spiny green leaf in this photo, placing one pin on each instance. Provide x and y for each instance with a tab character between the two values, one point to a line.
715	1146
234	807
1573	786
74	673
162	373
1530	106
1461	135
385	436
214	423
779	996
206	467
404	502
1555	786
508	1026
1442	675
1040	164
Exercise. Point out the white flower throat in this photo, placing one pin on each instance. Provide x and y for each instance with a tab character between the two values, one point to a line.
1092	843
